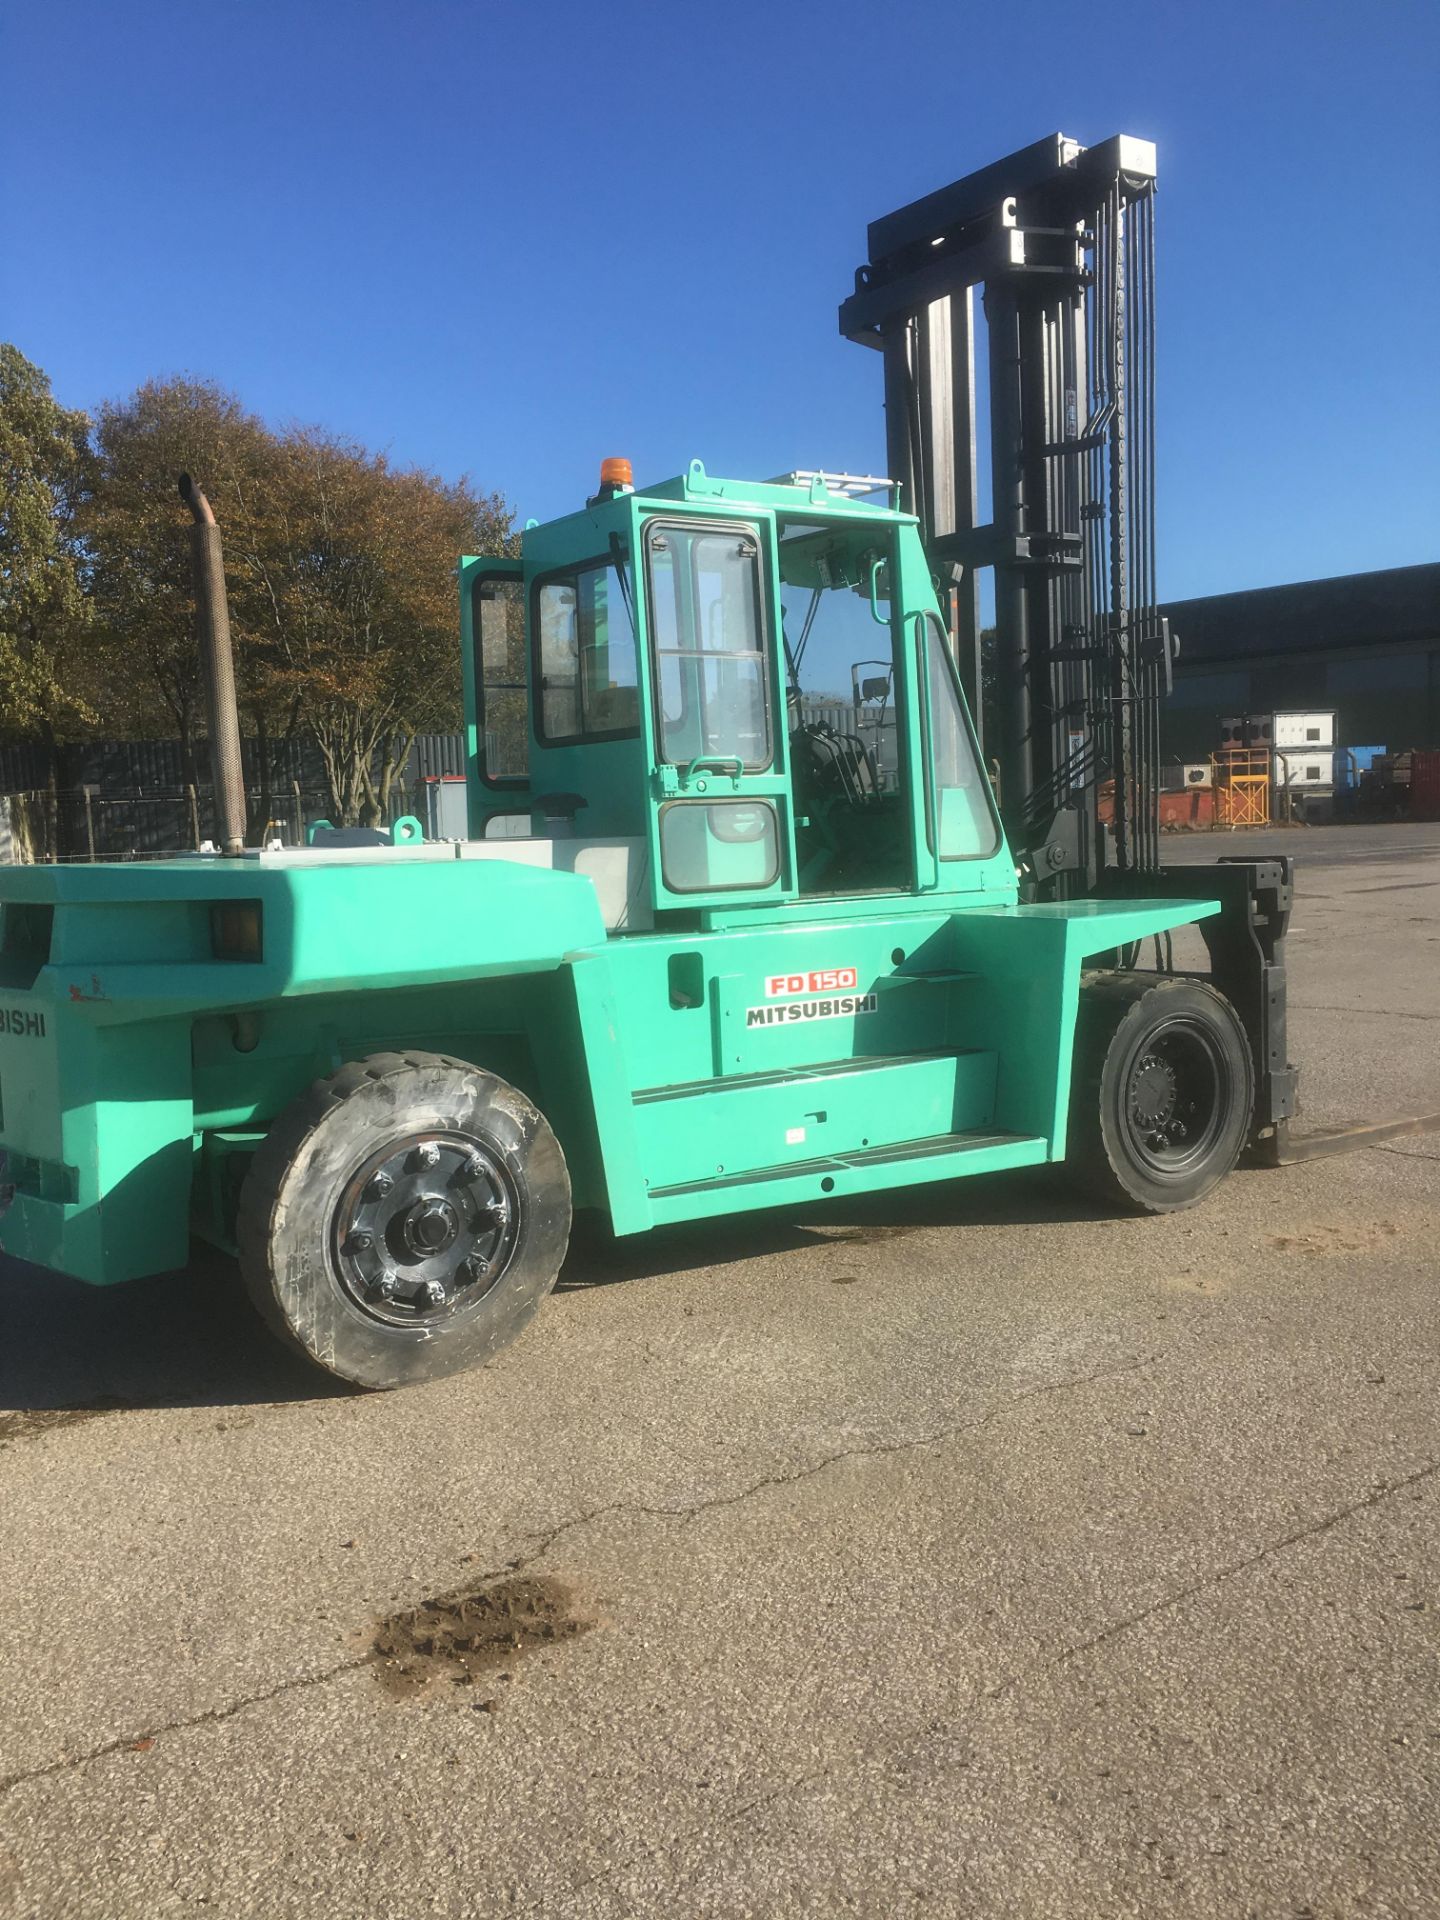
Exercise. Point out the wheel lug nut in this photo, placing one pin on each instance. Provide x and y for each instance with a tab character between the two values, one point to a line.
476	1268
385	1286
427	1153
380	1185
360	1241
474	1166
435	1294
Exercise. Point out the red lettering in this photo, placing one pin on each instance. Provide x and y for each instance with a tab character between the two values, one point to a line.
821	980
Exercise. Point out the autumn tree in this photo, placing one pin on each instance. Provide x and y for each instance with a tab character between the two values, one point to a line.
358	569
47	471
340	571
138	532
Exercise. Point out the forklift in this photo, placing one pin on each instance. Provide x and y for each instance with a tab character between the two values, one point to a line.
744	918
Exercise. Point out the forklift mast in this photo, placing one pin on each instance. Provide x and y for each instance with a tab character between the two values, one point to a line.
1059	239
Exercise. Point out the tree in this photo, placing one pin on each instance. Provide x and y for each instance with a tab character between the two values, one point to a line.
360	578
340	571
47	471
139	535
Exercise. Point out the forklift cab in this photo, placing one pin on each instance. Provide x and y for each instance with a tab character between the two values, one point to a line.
749	686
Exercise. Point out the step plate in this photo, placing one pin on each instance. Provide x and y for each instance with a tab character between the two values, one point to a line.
724	1128
907	1153
788	1076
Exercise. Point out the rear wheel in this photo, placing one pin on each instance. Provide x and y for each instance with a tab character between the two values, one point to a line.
404	1218
1162	1091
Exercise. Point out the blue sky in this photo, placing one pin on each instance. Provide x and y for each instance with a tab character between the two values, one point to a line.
509	239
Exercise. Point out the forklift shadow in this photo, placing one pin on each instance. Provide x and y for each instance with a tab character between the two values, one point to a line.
1029	1196
192	1338
189	1338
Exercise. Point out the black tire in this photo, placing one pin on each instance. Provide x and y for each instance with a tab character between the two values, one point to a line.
1161	1094
393	1177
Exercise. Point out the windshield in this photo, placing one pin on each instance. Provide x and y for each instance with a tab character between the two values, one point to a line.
839	655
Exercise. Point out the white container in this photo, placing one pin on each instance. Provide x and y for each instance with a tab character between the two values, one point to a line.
1303	730
1308	767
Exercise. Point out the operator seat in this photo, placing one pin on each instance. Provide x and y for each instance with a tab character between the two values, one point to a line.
830	765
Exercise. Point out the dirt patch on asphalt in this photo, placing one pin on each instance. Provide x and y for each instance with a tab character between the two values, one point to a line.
457	1638
1358	1237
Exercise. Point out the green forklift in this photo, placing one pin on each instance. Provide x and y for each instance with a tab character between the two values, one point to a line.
745	918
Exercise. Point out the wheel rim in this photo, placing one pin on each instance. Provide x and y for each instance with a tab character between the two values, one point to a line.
1175	1102
425	1228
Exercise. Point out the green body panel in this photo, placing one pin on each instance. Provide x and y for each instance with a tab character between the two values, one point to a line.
132	1039
97	1128
743	1126
965	1026
139	935
766	1045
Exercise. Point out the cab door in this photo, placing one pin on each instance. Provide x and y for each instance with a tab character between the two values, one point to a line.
720	827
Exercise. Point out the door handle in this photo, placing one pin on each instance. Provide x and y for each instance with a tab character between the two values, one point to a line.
880	619
718	765
674	780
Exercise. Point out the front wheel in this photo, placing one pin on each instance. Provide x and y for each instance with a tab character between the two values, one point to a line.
404	1218
1161	1094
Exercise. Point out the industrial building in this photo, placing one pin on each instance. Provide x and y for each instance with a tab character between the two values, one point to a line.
1366	645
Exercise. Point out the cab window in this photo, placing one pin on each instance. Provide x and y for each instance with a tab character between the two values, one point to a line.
853	823
502	697
705	613
585	654
960	810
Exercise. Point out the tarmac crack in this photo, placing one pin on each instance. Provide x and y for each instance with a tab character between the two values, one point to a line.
1364	1013
880	1749
880	1450
1216	1578
212	1716
546	1541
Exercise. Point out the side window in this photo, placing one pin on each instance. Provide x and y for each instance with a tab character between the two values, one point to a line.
502	698
705	611
585	646
960	816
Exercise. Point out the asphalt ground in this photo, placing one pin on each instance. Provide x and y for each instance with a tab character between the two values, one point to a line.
960	1552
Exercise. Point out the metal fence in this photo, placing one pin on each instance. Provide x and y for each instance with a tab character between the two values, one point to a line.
133	799
45	824
162	766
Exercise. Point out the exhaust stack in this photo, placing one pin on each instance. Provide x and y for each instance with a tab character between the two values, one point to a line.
212	613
